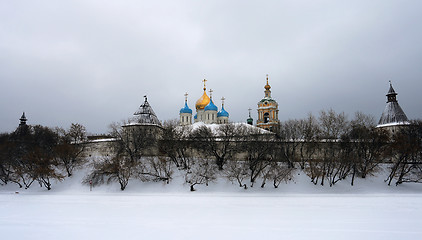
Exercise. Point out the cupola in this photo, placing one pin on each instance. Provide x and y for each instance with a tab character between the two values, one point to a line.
204	100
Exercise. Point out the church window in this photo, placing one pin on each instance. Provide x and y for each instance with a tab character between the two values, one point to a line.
266	117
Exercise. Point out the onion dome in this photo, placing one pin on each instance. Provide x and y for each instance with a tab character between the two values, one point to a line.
267	86
211	107
222	113
203	101
195	117
250	119
186	109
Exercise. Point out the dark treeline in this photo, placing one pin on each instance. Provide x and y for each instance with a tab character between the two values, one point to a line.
40	154
328	148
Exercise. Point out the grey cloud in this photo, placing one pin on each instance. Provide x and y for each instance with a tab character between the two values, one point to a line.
92	61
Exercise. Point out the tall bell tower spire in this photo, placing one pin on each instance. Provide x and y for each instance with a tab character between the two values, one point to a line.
267	89
268	111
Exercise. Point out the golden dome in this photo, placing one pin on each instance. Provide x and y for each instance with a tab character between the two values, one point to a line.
203	101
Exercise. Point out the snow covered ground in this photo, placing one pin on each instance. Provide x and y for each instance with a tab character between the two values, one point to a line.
298	210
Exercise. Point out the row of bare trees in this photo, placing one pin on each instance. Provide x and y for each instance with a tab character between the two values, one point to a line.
200	155
238	152
331	148
133	157
40	154
328	148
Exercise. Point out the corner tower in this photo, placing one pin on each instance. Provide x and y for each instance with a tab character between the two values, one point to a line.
268	111
393	116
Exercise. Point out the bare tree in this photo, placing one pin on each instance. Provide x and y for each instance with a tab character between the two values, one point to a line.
202	172
291	137
111	169
176	144
280	172
132	144
6	159
35	156
311	133
258	148
237	171
221	145
407	155
77	133
156	169
333	125
70	148
331	162
368	145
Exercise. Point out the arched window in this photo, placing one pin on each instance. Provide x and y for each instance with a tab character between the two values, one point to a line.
266	117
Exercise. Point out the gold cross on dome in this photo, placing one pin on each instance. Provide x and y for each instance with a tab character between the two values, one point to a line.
186	96
222	100
211	92
205	80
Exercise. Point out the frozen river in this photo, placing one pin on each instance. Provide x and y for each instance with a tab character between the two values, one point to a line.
210	216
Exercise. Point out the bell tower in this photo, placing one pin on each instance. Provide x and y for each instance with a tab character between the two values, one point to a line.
268	111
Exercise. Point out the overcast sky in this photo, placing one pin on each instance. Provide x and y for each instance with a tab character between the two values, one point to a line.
91	62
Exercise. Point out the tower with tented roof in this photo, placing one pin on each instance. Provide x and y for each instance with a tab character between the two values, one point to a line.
393	116
23	120
145	115
145	120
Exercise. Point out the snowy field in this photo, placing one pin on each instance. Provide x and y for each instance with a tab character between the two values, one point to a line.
296	210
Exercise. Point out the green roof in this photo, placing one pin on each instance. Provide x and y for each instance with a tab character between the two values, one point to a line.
267	100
